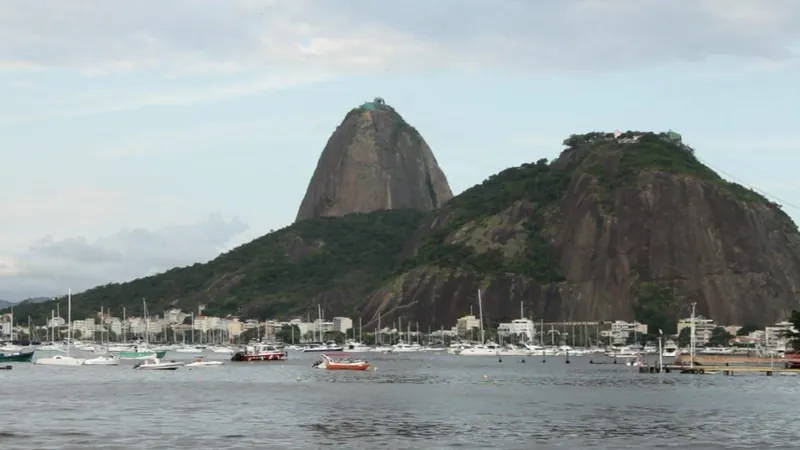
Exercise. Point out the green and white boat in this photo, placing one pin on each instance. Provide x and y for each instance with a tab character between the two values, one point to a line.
16	357
148	354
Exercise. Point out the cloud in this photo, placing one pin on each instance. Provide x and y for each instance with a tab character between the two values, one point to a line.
52	266
99	37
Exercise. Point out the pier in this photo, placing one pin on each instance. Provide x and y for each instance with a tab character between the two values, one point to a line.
725	370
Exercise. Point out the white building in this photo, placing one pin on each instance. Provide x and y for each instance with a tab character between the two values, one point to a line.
519	327
702	329
774	336
620	331
342	324
466	324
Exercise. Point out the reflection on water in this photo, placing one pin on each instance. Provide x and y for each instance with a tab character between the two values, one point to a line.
414	401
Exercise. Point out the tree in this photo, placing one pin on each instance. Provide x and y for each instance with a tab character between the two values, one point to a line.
720	337
747	329
654	306
685	337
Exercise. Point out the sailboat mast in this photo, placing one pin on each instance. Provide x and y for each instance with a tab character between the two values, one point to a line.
480	312
69	320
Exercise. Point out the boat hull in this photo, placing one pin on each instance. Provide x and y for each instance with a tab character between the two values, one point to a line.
205	364
358	367
243	357
142	355
16	357
102	362
60	361
323	350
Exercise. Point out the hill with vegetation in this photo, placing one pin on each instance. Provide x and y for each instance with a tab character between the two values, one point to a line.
620	226
334	261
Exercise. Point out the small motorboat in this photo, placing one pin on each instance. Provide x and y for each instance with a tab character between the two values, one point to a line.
157	364
343	363
103	360
6	367
199	362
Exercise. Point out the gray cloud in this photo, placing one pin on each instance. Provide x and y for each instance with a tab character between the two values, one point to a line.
52	266
353	35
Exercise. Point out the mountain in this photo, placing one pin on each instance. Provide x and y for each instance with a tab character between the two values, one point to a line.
374	161
335	261
8	304
620	226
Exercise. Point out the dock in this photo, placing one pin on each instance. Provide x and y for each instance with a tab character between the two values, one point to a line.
725	370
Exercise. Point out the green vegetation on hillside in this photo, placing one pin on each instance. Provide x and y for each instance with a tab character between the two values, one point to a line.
655	306
539	184
280	273
617	162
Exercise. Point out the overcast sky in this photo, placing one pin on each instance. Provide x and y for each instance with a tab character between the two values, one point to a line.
137	136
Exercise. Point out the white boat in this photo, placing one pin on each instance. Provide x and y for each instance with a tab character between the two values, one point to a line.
355	347
670	350
223	349
157	364
103	360
63	360
189	349
329	347
199	362
402	347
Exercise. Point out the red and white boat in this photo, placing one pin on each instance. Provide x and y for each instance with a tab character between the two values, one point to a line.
259	352
792	360
340	363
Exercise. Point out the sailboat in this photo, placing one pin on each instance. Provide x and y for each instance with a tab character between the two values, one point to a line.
484	348
64	360
143	352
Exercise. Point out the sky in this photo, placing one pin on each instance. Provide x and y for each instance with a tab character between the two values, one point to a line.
139	136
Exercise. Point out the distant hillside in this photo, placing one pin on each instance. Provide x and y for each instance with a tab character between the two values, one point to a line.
334	261
8	304
5	304
620	226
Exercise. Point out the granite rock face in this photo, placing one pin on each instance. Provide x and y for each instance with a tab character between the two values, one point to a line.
374	161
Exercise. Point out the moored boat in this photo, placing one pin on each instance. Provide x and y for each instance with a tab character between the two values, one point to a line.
343	363
16	357
103	360
157	364
199	362
259	352
142	355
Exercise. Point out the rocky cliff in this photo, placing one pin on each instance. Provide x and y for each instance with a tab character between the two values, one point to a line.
374	161
578	238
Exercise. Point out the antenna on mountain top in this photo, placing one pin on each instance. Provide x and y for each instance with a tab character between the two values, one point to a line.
379	101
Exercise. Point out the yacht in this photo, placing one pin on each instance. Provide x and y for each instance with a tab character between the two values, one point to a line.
670	350
402	347
329	347
189	349
157	364
356	347
487	349
103	360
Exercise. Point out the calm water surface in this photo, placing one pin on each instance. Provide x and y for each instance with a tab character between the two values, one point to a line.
422	401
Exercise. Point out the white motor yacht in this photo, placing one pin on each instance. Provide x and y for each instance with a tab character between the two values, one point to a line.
157	364
60	360
103	360
201	362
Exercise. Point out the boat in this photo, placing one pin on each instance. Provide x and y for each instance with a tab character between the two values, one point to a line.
319	348
670	350
259	352
102	360
16	357
142	355
64	360
199	362
157	364
189	349
329	363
